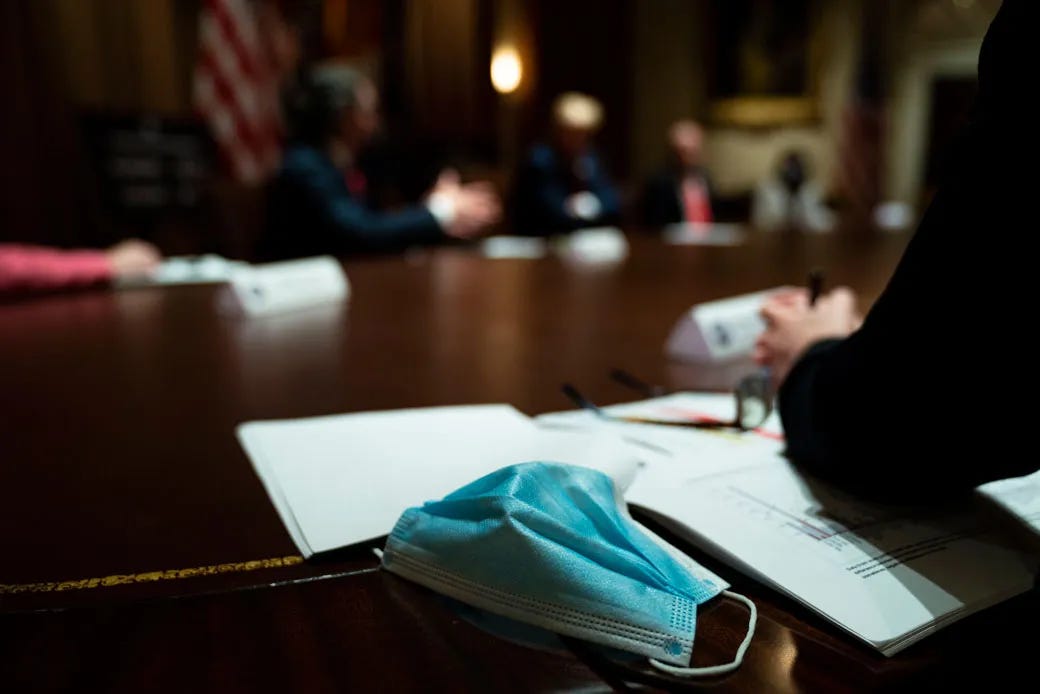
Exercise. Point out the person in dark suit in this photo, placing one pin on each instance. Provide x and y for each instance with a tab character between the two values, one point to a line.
564	186
317	201
681	191
926	399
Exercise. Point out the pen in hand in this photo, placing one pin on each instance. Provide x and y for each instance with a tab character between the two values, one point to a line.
815	285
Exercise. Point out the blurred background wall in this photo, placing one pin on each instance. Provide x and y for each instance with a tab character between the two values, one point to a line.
123	54
649	61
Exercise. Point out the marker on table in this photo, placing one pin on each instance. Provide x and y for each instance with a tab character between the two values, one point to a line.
815	285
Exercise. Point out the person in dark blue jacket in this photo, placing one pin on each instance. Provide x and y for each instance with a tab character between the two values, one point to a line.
564	186
317	202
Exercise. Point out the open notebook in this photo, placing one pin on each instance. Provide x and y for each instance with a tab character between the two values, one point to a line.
889	576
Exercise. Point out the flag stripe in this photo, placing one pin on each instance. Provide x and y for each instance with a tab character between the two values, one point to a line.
859	156
236	90
249	125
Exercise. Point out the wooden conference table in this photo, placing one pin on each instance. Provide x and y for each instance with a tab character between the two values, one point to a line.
118	462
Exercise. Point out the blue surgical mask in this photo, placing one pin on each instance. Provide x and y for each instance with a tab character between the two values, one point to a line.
553	545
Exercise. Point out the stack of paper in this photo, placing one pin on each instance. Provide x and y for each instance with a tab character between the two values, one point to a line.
339	480
888	575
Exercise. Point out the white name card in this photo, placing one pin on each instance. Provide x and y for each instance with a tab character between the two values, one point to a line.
697	234
261	290
524	247
204	269
719	330
592	246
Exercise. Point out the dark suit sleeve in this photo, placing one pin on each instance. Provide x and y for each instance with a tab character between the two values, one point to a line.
602	187
660	202
346	223
920	403
540	198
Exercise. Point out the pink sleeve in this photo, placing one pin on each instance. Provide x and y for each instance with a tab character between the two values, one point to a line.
35	268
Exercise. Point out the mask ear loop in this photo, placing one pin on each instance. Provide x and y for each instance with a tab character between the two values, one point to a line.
617	674
725	668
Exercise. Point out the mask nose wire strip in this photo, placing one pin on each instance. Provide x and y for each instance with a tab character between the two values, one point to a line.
725	668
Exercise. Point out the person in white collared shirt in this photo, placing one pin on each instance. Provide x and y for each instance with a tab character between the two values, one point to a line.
791	199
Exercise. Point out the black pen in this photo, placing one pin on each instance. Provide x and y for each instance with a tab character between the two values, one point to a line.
815	285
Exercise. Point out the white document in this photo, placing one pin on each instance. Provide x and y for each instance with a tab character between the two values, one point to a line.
888	575
1018	501
677	407
1019	496
344	479
679	445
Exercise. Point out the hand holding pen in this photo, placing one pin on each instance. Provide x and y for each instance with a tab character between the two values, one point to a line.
815	285
797	320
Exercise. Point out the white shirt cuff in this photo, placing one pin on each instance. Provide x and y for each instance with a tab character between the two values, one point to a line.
442	207
584	205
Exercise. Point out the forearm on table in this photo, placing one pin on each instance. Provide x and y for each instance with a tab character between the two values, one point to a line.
35	268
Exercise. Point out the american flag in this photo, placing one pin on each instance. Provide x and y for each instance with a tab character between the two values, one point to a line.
859	157
236	89
862	129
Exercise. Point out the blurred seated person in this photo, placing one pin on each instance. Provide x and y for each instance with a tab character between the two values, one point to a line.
563	186
791	199
681	192
317	201
25	269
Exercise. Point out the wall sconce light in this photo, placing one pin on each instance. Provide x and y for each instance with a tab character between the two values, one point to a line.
506	69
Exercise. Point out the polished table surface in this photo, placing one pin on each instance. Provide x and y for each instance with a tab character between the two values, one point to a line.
118	458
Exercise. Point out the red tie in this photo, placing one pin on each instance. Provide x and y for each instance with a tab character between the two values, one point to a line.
696	206
356	182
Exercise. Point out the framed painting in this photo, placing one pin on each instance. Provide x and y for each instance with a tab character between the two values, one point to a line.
761	62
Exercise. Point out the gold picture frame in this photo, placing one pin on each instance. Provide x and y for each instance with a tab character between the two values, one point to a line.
764	111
